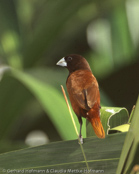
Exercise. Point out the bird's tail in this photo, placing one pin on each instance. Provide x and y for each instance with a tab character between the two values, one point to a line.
94	118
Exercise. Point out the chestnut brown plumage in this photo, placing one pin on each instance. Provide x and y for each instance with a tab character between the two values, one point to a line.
83	92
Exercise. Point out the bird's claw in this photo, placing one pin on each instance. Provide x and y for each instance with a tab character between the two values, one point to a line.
80	140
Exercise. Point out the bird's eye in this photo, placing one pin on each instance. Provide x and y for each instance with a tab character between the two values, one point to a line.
69	58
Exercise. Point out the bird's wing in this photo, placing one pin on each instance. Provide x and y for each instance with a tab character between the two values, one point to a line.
84	89
87	97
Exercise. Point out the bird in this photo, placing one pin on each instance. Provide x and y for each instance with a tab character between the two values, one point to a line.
83	91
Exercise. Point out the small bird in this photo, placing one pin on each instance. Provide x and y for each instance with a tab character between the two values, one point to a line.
83	92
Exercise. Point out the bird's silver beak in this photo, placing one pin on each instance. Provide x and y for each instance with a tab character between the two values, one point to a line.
62	62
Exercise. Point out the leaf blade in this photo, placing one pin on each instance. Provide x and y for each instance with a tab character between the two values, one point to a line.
48	96
101	154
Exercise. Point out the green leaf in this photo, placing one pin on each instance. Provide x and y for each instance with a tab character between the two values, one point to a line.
121	128
52	102
110	118
101	155
10	146
130	152
3	69
13	99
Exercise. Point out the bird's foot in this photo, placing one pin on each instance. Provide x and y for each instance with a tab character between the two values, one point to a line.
80	140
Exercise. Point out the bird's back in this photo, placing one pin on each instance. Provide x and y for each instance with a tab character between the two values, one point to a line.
83	91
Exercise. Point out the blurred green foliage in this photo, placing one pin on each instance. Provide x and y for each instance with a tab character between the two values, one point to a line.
36	34
130	152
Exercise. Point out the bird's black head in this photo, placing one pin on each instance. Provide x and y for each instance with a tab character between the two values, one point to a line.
74	62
